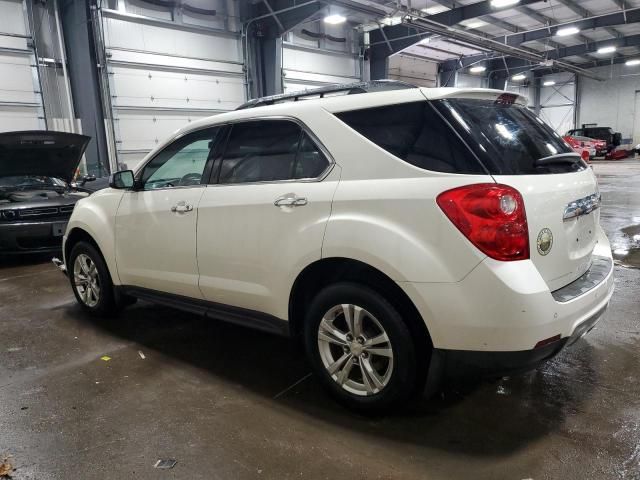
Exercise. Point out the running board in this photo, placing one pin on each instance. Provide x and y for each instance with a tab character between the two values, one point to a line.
226	313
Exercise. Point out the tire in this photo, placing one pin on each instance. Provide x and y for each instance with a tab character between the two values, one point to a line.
94	292
394	361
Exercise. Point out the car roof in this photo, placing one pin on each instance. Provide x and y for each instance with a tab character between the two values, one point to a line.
339	103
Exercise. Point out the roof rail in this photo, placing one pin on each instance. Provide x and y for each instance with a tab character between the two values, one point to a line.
347	88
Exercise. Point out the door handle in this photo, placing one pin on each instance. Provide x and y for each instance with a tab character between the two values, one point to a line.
182	207
290	200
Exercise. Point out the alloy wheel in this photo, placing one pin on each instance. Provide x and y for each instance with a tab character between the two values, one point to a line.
355	349
86	280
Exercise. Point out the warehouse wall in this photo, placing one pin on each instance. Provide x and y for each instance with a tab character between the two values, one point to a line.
167	69
20	94
558	102
312	57
612	103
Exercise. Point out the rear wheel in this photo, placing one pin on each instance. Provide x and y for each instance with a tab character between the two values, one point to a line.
360	348
90	280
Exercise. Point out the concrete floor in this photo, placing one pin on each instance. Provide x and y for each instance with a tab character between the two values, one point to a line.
230	403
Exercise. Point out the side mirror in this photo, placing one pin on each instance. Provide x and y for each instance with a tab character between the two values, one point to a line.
122	180
87	178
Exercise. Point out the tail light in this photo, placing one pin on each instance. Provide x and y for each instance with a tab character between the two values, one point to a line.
491	216
585	156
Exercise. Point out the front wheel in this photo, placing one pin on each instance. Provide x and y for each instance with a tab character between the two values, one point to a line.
360	348
90	280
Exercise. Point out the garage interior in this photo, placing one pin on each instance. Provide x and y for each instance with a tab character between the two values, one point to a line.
89	399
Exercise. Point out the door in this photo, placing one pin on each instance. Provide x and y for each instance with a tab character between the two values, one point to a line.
156	224
264	216
636	120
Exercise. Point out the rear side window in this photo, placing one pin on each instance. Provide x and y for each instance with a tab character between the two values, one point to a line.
270	150
508	138
310	161
415	133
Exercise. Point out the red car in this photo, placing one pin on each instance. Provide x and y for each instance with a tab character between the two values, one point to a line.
584	144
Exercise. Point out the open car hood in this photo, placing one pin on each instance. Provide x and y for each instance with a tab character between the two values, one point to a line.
46	153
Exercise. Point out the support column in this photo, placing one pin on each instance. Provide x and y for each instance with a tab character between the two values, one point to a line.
83	74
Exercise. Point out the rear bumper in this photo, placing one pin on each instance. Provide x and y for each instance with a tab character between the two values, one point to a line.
463	363
31	237
506	307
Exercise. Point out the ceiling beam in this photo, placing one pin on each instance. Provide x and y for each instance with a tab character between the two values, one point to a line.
583	12
614	61
560	53
592	47
590	23
544	20
425	23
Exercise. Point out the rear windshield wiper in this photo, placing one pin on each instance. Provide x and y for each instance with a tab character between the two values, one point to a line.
559	158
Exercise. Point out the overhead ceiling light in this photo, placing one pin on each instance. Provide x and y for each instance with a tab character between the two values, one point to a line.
334	19
632	63
503	3
519	77
477	69
391	20
435	10
549	83
566	31
473	23
610	49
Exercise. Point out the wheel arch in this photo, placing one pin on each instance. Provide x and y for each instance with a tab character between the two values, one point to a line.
79	234
326	271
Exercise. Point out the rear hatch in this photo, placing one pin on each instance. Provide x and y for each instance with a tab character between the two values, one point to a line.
559	190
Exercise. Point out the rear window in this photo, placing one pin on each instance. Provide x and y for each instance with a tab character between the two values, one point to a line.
415	133
598	132
509	139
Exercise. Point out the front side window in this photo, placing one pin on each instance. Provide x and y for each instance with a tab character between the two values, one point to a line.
270	150
415	133
181	163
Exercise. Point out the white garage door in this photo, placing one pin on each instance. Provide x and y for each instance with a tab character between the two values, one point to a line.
310	63
163	75
20	99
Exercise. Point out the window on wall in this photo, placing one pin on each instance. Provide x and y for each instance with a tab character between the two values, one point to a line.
270	150
182	162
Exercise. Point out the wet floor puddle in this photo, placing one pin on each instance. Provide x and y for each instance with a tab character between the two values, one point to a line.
626	250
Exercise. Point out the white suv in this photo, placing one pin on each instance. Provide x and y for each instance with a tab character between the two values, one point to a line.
393	231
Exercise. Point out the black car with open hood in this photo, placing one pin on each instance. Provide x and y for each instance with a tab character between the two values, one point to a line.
36	193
